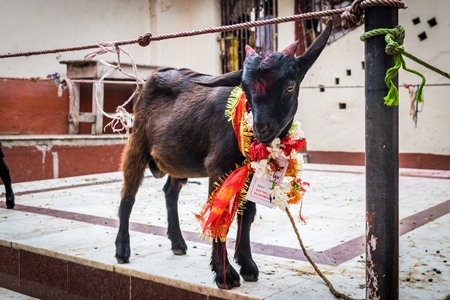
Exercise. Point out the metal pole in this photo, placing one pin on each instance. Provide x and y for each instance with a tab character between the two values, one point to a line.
381	164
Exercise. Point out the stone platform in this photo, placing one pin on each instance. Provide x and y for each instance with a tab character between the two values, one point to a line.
58	242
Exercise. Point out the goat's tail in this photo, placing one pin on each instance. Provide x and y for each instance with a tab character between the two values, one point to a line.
134	162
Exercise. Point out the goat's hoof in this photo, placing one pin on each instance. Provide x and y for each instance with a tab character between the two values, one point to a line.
123	260
10	201
224	286
123	254
179	247
249	277
179	251
228	279
249	270
10	204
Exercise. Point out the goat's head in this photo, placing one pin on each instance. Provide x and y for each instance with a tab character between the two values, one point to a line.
271	84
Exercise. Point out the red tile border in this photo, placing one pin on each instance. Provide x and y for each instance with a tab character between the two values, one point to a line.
333	256
45	277
52	278
10	268
145	289
89	283
406	160
122	286
42	277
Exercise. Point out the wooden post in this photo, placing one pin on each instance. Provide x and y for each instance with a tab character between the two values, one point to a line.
74	110
97	97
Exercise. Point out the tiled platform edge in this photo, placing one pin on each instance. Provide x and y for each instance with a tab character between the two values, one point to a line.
47	277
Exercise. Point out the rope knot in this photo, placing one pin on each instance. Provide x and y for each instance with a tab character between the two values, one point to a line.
352	15
105	47
144	40
394	40
394	48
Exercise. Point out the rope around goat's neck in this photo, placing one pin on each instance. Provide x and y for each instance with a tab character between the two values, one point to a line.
329	284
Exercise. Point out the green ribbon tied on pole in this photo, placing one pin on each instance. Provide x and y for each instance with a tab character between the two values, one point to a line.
394	39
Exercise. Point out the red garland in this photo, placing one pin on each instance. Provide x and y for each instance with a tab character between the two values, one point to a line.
258	151
218	213
290	145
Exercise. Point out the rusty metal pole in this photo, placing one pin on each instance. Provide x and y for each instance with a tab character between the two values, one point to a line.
382	231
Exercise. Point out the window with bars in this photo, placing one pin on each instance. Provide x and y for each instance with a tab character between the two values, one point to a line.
308	30
263	39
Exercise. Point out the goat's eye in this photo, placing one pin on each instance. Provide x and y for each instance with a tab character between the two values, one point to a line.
290	88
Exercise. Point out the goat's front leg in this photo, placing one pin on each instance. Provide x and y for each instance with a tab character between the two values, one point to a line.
243	255
226	276
6	178
172	191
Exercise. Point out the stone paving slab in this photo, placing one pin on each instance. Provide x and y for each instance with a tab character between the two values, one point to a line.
75	219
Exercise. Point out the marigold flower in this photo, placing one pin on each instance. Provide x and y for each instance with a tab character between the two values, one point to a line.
292	168
294	197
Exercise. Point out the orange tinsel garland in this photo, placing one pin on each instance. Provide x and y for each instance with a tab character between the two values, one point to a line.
229	197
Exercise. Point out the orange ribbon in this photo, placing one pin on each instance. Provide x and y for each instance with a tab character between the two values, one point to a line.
219	211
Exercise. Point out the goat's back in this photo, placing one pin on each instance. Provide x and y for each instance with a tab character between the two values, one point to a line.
185	125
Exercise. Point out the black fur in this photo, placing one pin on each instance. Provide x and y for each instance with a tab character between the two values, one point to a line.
180	129
6	178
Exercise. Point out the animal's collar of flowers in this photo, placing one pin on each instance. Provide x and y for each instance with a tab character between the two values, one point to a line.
264	158
230	195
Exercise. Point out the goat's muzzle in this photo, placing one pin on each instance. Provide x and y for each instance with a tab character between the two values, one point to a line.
264	133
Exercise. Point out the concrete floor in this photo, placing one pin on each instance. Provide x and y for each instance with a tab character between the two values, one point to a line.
74	219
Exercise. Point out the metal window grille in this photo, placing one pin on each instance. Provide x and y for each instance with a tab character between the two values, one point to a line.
262	39
308	30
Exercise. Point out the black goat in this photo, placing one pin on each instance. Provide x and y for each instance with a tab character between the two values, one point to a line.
180	130
6	178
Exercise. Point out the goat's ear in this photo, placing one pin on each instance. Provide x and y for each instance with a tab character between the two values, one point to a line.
309	57
249	51
227	79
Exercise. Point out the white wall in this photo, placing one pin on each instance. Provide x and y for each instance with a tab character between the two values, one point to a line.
286	31
28	25
327	128
330	129
34	25
200	53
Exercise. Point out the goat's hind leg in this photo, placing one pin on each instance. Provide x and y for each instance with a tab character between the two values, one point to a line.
134	162
172	191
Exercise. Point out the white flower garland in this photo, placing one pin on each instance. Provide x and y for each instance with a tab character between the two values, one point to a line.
262	168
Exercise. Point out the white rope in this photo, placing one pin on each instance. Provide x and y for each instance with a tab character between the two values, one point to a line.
121	116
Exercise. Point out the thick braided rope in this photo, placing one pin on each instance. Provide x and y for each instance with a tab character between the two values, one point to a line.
144	40
351	16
